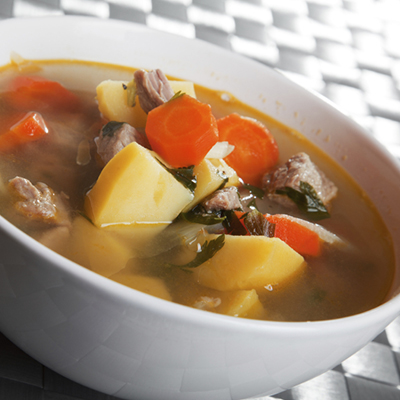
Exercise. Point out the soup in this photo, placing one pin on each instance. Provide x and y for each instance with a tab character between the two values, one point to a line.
129	217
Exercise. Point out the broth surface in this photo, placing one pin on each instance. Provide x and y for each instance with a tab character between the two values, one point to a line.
334	285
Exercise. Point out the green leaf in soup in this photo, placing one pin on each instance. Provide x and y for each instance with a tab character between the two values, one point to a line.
224	178
307	201
232	224
110	128
183	175
252	204
206	252
205	218
254	190
177	95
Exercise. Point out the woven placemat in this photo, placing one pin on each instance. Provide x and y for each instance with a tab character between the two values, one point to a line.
348	51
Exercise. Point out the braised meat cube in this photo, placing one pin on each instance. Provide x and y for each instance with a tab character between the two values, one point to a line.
223	199
299	168
38	203
114	136
152	88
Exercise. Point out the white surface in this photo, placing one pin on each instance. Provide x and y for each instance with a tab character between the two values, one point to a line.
131	345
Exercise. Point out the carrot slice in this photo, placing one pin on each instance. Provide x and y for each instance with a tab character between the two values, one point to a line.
40	94
256	150
301	239
29	128
182	131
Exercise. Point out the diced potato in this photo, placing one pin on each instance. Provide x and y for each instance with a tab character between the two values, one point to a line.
241	303
147	284
222	166
113	101
184	87
210	176
139	237
55	238
96	249
249	262
208	181
135	187
113	104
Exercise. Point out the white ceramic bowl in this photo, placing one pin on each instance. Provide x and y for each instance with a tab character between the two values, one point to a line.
134	346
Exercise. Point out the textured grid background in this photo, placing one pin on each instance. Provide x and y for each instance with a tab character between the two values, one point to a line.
347	50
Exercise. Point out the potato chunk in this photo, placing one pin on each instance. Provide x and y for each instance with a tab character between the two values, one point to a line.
184	87
146	284
241	303
97	249
209	179
113	101
249	262
113	104
135	187
210	174
230	173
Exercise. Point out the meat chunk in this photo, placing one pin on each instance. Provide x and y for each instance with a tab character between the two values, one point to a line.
299	168
152	88
114	136
38	202
223	199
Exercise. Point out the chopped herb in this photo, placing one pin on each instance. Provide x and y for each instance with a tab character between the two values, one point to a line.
254	190
196	216
307	200
258	225
233	225
183	175
177	95
110	128
130	92
207	251
222	175
252	204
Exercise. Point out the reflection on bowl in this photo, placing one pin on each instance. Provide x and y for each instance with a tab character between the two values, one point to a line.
132	345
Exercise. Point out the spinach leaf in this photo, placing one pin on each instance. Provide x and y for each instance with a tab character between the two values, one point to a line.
110	128
307	201
207	251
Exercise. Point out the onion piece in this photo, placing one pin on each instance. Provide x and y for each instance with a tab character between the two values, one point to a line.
220	150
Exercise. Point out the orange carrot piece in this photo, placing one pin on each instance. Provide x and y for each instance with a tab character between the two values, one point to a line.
182	131
29	128
37	93
256	150
301	239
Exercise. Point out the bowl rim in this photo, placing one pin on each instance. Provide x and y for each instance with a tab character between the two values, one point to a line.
177	311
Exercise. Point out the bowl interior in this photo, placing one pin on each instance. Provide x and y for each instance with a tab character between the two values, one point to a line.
253	83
